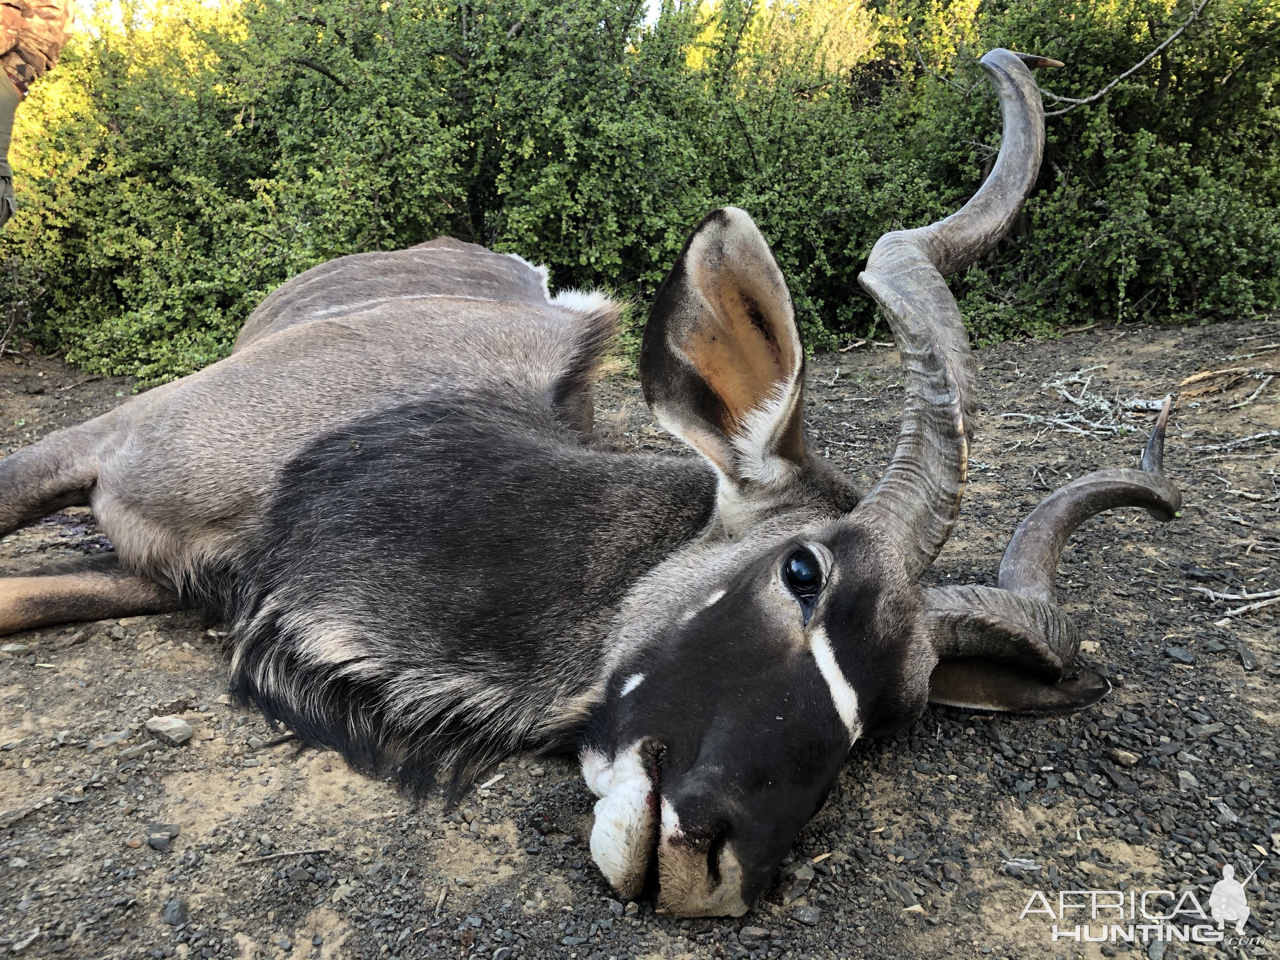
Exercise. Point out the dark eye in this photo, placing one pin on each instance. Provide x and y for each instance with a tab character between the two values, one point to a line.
803	574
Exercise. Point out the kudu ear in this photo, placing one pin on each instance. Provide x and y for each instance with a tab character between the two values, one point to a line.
989	685
722	364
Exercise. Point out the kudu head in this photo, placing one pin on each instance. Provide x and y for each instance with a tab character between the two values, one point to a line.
749	662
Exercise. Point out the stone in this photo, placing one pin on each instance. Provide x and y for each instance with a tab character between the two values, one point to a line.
632	909
616	907
15	649
71	640
171	730
174	912
1247	658
1187	781
1180	654
1122	782
160	836
748	934
809	916
1123	757
136	751
902	892
801	876
1202	730
21	943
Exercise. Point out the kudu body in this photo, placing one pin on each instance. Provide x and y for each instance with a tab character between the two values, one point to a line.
391	491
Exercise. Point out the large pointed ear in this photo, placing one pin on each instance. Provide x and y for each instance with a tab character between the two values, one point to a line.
722	365
990	685
999	650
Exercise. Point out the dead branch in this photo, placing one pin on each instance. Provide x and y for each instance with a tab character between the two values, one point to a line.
1256	440
1250	607
1253	396
284	854
1215	596
1124	76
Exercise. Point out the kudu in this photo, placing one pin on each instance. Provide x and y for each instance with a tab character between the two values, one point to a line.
391	491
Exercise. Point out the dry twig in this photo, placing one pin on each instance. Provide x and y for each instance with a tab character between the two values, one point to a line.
1254	440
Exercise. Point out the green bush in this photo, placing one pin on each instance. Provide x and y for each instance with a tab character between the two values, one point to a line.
183	160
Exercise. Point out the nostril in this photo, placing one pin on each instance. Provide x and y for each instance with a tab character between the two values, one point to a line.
654	753
717	846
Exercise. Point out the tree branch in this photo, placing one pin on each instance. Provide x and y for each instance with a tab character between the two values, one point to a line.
1124	76
320	69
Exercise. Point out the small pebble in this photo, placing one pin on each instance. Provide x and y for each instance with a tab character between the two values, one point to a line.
171	730
174	912
807	915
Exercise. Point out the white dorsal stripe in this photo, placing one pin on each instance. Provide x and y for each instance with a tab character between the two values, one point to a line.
842	694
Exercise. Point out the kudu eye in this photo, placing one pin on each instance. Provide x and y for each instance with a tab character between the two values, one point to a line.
803	574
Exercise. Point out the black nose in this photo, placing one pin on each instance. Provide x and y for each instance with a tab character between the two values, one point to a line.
703	818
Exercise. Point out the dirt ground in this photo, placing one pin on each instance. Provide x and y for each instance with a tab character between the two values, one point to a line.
113	844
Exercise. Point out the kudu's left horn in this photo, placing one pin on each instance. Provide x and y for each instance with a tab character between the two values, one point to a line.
1009	647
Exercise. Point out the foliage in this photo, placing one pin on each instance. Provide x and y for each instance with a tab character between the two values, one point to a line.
185	158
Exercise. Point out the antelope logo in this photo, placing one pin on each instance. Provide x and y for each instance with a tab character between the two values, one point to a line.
1133	916
1227	902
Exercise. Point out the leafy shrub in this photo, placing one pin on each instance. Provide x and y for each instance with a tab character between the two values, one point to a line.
184	159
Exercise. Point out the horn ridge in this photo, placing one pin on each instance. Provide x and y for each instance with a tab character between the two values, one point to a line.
978	621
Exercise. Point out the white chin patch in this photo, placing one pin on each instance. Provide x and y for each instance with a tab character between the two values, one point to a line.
623	835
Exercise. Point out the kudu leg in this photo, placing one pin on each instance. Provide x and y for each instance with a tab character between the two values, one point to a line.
57	472
90	588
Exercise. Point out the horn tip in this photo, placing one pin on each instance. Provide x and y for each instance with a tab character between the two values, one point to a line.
1153	456
1034	60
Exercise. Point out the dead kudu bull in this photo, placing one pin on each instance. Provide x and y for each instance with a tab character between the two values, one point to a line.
391	490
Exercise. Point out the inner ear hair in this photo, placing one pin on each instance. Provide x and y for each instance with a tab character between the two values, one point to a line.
722	362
